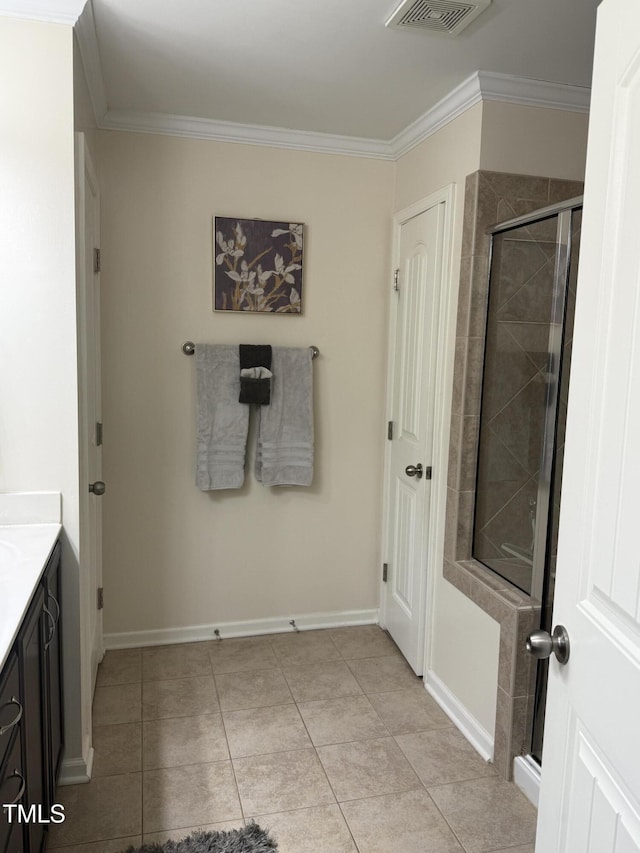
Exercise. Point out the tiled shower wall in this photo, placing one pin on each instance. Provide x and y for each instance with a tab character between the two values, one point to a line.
490	197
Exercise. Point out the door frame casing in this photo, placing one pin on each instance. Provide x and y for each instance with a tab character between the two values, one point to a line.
446	324
87	594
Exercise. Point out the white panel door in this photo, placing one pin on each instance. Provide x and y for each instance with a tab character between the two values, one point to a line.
590	793
408	497
89	361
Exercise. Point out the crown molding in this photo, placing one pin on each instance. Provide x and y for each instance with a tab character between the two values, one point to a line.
488	86
85	31
49	11
534	93
480	86
249	134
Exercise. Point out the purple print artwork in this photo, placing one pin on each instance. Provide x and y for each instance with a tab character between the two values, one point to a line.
258	266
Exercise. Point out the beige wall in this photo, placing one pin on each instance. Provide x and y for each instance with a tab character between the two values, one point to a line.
174	556
38	381
37	257
533	141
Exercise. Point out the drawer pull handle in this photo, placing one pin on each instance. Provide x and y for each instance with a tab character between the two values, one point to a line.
17	775
55	601
18	717
52	628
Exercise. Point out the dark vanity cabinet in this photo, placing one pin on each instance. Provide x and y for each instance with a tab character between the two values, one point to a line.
32	698
31	654
53	673
12	774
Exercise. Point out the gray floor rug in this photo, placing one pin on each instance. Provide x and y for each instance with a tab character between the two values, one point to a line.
248	839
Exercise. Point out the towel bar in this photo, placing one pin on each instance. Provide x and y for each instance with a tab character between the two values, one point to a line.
189	348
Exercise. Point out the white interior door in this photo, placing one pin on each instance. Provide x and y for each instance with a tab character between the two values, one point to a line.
590	791
88	204
414	354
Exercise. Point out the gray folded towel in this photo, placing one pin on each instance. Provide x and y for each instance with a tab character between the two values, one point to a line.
222	421
284	453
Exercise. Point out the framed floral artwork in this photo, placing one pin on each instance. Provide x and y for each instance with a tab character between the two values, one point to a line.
257	266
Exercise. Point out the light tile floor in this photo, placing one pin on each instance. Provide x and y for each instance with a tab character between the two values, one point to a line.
326	738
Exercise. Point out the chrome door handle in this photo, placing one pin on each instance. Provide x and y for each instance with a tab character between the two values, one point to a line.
414	470
98	488
542	645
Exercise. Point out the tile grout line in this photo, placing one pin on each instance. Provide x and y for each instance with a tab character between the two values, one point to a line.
367	697
315	749
335	796
295	704
226	737
444	818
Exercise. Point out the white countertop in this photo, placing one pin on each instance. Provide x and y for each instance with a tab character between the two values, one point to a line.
24	551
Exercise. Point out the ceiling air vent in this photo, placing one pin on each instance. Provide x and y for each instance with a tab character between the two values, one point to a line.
440	16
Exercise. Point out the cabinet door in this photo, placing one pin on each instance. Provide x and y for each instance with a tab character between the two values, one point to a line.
31	646
12	793
53	662
10	704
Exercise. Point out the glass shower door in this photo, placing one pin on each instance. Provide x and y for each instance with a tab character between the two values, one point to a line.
518	401
529	334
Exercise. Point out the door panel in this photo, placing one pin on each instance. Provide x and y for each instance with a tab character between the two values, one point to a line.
590	793
412	297
89	357
415	347
403	558
598	809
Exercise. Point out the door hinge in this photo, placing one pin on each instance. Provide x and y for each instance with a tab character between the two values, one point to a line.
98	434
385	571
96	261
100	598
396	280
427	472
390	430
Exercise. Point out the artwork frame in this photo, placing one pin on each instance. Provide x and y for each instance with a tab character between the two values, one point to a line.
257	265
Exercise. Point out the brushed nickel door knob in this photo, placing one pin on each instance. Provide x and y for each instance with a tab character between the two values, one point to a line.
414	470
542	645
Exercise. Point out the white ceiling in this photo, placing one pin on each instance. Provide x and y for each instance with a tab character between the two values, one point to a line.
328	66
286	73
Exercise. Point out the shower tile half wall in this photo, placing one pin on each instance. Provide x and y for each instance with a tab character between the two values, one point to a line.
490	197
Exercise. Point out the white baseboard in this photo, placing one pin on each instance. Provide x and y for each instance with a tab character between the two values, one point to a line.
249	628
76	771
526	775
475	733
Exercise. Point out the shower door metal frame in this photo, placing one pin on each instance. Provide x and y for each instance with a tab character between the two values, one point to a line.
564	211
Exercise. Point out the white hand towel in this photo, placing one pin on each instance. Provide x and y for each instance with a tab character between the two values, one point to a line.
284	452
222	421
